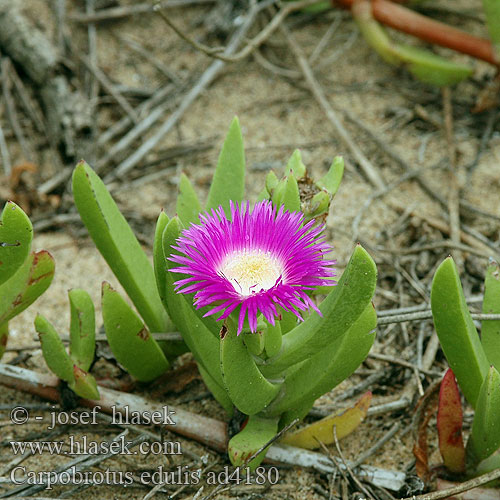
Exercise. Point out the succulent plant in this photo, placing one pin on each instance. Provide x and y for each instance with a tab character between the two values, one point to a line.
261	342
266	355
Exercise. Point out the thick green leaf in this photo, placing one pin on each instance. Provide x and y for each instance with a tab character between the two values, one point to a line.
229	178
273	338
160	264
29	282
84	384
257	433
291	196
331	181
288	320
341	308
279	193
449	424
484	439
488	465
373	32
307	381
263	195
255	342
16	233
297	412
249	390
171	349
220	393
117	243
320	6
492	11
53	350
271	182
82	328
129	339
456	331
490	330
188	206
295	166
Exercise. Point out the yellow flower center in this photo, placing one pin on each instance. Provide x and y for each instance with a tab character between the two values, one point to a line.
251	271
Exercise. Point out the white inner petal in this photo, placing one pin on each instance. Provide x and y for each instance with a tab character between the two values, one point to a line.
251	271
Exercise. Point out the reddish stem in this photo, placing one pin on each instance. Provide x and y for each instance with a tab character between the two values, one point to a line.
405	20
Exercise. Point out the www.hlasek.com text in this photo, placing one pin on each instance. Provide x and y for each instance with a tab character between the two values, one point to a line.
85	446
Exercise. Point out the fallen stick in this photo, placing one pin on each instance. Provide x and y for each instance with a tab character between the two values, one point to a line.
208	431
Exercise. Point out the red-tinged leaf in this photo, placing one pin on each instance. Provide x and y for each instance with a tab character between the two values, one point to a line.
27	284
449	424
426	407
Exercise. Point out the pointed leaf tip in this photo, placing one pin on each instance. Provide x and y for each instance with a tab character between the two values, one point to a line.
16	234
188	206
456	331
229	177
118	245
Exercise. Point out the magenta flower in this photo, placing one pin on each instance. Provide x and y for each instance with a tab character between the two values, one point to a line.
257	260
